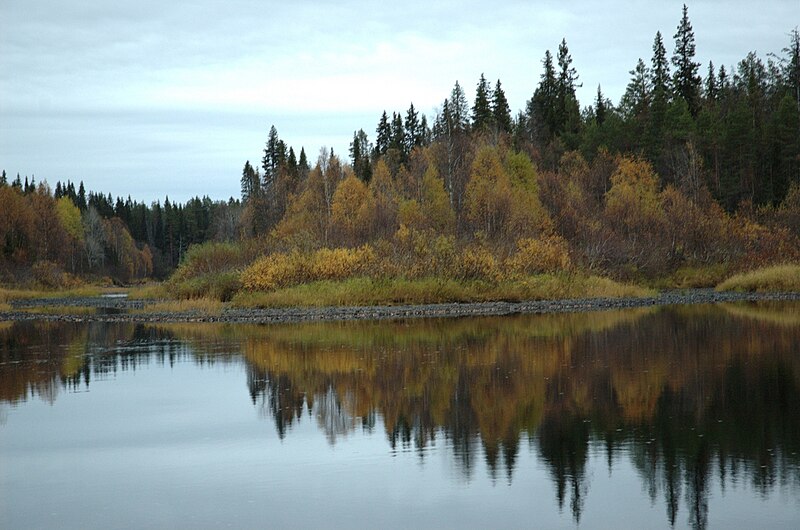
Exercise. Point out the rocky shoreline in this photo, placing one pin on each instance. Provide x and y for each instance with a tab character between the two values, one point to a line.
119	309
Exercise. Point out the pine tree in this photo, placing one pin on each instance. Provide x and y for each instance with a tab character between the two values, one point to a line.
3	179
501	112
481	111
686	79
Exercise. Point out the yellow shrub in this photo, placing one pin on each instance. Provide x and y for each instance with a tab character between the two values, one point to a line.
282	270
534	256
477	263
274	271
340	263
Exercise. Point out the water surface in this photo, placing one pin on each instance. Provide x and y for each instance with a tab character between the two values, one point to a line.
683	417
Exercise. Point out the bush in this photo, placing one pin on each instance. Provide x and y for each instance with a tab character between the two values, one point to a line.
209	258
282	270
536	256
219	286
49	275
477	263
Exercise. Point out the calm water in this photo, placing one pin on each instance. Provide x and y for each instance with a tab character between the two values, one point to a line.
684	417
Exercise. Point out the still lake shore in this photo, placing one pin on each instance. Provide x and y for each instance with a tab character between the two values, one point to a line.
121	309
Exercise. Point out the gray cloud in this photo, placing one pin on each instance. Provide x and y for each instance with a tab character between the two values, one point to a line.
152	97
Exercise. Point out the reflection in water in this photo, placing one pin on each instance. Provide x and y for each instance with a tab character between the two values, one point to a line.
690	395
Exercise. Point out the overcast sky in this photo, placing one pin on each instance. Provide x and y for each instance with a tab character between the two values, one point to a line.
153	98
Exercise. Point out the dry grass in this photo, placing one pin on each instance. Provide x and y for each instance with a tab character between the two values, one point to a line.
7	295
776	278
150	291
366	291
61	310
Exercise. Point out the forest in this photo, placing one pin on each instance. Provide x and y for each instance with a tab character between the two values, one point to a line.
692	176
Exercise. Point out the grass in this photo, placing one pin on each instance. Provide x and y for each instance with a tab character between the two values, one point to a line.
366	291
60	310
694	277
776	278
7	295
150	291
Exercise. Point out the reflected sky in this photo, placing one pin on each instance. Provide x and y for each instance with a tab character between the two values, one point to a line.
690	415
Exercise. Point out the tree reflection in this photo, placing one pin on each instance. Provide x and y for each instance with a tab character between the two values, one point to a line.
688	394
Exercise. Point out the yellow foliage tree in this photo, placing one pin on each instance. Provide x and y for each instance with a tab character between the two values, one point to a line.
382	202
633	200
348	202
488	194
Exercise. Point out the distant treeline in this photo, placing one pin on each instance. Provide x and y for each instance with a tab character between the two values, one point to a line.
52	235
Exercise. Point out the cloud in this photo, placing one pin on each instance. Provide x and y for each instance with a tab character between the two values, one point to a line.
143	91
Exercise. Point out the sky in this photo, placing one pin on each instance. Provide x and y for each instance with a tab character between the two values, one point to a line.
153	99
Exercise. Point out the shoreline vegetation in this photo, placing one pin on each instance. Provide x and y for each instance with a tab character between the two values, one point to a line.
688	182
367	299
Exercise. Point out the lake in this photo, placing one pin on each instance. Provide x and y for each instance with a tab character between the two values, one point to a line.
683	416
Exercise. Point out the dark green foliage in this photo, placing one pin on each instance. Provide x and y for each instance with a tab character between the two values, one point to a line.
359	155
384	135
501	112
481	110
686	79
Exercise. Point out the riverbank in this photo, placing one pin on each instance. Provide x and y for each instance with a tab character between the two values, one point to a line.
105	309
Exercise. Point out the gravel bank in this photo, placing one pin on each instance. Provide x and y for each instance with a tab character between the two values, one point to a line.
120	306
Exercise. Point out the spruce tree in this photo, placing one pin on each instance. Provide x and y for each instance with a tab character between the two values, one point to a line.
567	113
686	79
600	107
458	108
541	111
501	112
271	160
413	136
481	111
398	138
250	184
384	135
81	204
711	84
